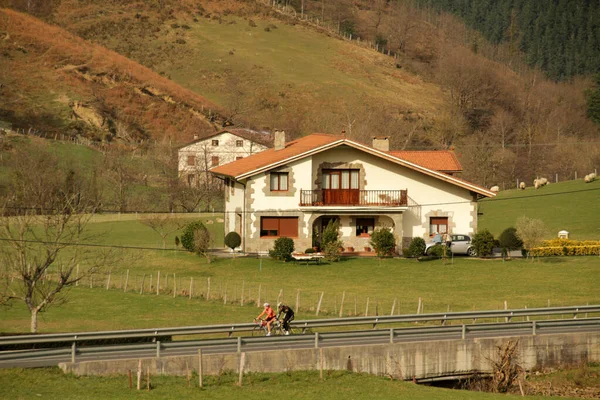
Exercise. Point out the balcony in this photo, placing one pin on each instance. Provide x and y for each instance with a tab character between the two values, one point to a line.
353	197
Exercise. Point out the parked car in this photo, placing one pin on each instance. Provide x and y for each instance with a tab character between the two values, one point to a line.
459	244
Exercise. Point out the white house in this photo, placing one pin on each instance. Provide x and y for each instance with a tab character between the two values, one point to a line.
296	188
199	156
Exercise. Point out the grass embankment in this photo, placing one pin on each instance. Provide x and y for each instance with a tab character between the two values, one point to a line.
571	205
466	285
51	383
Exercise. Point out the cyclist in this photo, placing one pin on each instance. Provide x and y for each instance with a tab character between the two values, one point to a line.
269	317
288	316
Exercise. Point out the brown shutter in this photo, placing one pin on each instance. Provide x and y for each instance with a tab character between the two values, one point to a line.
288	227
269	223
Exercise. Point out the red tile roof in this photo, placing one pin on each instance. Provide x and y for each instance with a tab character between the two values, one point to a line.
437	160
270	156
434	163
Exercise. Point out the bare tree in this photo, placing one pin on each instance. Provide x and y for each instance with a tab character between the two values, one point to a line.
121	175
43	236
163	224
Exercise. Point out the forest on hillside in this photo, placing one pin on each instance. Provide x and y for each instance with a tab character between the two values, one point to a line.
505	119
562	37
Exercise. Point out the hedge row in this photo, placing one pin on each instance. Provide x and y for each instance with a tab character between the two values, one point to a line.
569	242
587	250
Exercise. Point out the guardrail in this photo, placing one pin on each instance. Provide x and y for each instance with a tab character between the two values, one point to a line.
315	340
230	329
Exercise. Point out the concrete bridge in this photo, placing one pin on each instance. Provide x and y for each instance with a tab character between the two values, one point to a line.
420	360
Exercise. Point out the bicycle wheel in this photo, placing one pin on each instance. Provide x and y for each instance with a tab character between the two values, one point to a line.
276	328
259	330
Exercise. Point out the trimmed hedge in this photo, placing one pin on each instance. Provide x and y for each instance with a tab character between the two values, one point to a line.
567	247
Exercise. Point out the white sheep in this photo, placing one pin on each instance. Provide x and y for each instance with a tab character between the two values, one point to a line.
495	189
522	185
590	177
538	183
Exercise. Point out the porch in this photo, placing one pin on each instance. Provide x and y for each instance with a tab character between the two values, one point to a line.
353	197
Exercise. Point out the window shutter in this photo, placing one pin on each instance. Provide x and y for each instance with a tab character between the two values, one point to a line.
288	227
270	223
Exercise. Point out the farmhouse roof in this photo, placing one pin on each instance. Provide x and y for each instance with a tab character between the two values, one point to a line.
426	162
261	137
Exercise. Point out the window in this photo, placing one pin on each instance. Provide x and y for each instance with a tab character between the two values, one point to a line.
340	179
215	142
279	181
191	161
438	225
215	161
239	157
239	143
365	226
279	226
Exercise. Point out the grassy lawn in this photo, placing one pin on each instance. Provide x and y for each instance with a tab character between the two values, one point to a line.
465	285
20	384
571	205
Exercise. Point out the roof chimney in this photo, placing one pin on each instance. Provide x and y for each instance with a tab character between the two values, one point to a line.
279	139
381	143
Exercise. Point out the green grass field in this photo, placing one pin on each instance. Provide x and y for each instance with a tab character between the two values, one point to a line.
571	205
463	286
18	384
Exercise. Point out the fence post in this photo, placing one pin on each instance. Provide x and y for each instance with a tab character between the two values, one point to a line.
316	340
319	304
391	335
239	344
73	350
158	349
534	326
200	367
464	332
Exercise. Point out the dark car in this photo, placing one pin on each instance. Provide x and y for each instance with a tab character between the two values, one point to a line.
459	244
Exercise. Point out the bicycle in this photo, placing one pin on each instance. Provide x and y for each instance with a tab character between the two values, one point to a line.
261	328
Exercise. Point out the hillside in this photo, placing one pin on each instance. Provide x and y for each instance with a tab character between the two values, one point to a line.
366	68
571	206
56	82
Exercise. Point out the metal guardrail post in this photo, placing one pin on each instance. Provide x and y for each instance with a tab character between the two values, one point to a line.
158	349
391	335
464	332
316	340
533	323
73	351
239	344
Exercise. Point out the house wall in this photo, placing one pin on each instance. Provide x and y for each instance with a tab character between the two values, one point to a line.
433	196
430	197
227	151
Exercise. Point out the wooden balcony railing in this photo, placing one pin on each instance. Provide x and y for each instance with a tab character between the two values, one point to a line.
353	197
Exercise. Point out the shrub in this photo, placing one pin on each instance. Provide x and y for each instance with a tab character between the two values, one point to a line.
436	251
310	250
330	241
232	240
187	238
530	231
383	242
483	242
282	250
509	240
332	251
416	248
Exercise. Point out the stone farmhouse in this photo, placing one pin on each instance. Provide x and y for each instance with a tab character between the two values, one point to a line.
294	189
198	157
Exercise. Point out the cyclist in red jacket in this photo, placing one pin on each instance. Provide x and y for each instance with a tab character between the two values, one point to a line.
269	317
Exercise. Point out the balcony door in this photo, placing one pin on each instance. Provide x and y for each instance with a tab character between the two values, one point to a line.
340	186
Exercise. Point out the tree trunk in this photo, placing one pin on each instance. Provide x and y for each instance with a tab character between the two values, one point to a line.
34	320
